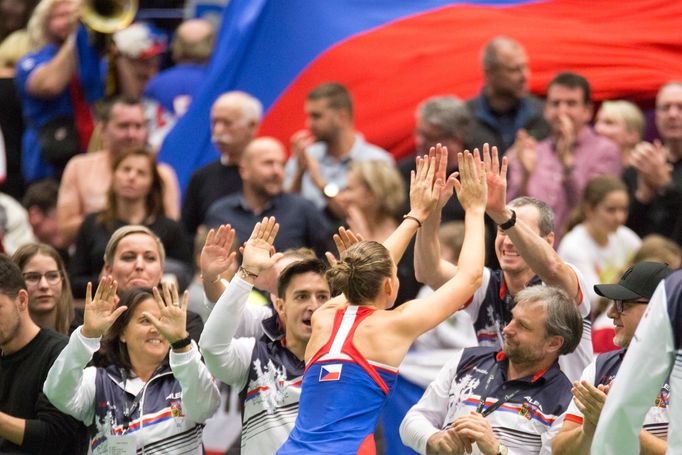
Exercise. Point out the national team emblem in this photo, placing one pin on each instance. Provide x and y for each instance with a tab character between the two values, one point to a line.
663	399
527	410
176	408
330	372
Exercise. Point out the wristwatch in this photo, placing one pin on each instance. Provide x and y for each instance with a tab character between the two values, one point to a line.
502	450
509	223
331	190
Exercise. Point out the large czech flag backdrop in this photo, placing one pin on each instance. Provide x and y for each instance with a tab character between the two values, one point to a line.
392	54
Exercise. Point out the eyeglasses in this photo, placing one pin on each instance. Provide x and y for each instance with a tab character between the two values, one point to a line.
51	276
620	304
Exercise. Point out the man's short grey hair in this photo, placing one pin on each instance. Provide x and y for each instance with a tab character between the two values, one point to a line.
449	114
489	57
563	315
545	212
251	107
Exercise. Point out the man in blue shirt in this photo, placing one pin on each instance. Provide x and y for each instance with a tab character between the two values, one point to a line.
504	105
262	172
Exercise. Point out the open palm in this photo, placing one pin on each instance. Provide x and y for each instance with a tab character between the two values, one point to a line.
100	311
217	255
258	249
172	320
496	178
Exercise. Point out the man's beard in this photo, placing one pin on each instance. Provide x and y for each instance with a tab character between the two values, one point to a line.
521	355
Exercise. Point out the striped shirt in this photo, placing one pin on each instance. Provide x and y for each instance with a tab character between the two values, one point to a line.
526	423
491	311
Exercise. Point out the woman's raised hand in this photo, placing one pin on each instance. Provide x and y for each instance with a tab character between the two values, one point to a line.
425	184
216	255
258	250
101	311
172	321
471	188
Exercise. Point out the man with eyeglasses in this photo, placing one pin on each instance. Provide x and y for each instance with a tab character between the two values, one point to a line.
28	422
630	300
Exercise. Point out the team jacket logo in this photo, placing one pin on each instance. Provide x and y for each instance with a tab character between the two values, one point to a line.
663	398
331	372
176	408
528	410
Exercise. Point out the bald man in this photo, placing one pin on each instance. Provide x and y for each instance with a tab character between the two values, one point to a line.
504	105
191	51
235	117
262	171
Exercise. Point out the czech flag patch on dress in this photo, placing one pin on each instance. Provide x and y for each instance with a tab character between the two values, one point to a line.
330	372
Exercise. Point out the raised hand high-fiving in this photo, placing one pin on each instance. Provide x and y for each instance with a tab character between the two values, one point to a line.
100	312
216	255
258	250
496	176
425	186
471	187
448	188
172	320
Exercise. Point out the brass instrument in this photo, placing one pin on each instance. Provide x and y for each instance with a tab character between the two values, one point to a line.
108	16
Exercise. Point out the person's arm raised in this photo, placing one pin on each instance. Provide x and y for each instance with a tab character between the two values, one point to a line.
537	251
425	189
216	259
229	358
429	267
418	316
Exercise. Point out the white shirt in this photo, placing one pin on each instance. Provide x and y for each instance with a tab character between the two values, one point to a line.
597	263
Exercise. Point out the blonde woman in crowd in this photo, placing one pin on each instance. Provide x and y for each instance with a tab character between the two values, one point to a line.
623	123
373	200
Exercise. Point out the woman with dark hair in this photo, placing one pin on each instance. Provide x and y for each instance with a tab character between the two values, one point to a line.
145	399
135	197
49	292
356	344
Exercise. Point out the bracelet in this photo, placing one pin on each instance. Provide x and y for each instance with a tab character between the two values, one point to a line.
245	273
181	343
509	223
414	218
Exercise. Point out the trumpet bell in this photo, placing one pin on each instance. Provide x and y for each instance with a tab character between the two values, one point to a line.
108	16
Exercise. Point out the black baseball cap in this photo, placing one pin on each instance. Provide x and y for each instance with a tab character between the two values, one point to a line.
639	281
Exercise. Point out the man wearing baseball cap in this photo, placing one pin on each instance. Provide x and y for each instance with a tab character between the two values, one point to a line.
630	298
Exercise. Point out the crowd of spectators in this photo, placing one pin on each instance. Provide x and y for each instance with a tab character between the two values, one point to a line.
83	198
